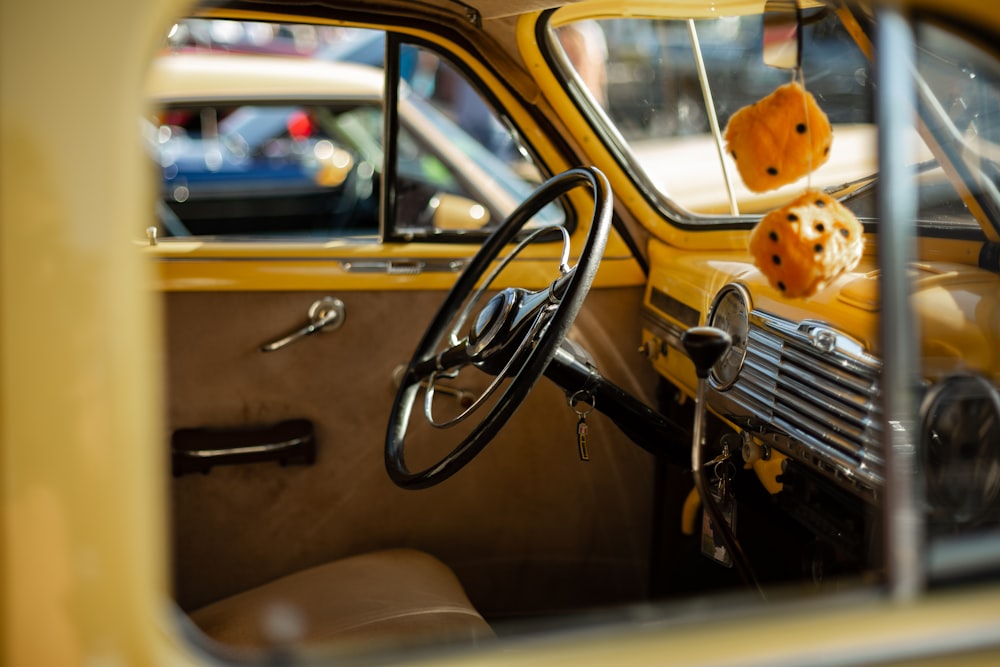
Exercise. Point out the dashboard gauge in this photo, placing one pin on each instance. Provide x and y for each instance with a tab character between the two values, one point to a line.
961	450
730	311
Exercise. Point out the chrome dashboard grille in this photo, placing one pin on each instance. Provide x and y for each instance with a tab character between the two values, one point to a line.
814	392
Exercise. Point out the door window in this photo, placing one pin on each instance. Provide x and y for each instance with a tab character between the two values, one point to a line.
459	167
284	138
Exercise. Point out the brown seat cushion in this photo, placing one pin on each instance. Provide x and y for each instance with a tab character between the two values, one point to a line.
396	594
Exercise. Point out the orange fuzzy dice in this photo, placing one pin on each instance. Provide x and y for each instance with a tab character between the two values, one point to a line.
804	245
779	139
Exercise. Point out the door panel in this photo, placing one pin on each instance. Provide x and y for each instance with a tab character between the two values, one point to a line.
527	526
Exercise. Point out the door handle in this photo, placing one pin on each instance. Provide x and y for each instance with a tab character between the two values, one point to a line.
199	449
326	314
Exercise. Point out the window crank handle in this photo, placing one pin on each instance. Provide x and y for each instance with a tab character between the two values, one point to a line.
325	314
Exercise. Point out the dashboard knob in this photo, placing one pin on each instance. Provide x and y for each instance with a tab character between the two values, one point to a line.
752	452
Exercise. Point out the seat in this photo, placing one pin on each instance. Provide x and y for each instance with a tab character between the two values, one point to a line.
400	595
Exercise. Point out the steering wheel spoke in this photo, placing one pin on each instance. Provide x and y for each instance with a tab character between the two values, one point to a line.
450	360
512	364
512	336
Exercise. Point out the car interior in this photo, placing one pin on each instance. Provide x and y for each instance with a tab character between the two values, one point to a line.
436	384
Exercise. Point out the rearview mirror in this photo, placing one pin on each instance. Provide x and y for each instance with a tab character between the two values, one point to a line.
782	34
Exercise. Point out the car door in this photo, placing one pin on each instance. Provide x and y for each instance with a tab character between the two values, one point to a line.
303	326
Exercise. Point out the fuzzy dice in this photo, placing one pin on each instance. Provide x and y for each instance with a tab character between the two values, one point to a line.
779	139
803	246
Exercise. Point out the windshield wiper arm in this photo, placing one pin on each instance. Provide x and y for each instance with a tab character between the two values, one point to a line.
858	186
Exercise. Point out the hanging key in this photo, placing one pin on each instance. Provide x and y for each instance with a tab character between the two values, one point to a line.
582	430
581	437
721	491
724	456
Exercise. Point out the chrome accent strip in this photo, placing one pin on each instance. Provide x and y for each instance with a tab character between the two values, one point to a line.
249	449
403	266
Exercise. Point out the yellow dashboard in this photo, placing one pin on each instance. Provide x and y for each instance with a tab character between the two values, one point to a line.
958	305
802	377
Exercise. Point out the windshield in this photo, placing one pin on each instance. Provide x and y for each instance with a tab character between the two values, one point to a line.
663	90
959	93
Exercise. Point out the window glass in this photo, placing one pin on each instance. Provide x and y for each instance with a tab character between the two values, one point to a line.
258	169
459	166
959	93
269	130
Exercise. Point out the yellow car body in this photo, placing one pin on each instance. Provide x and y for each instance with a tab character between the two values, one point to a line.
91	319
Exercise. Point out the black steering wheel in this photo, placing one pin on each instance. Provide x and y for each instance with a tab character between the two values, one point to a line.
512	337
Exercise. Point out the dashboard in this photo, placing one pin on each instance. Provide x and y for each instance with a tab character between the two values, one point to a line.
801	382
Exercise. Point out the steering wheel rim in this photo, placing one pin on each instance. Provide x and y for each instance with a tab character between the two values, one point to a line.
531	368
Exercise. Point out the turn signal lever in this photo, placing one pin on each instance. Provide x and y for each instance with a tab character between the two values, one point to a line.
705	346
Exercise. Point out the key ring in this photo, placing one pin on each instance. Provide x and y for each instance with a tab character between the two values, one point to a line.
582	396
726	478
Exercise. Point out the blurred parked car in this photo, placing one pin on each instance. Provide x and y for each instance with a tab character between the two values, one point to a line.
252	144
